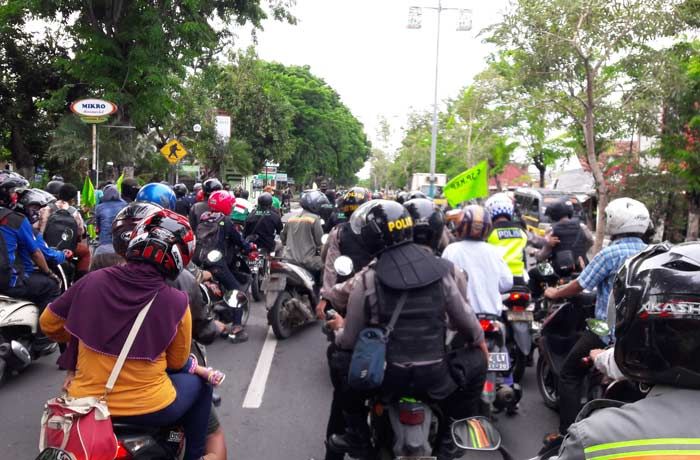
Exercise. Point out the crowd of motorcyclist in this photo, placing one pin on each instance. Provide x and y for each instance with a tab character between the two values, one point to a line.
428	273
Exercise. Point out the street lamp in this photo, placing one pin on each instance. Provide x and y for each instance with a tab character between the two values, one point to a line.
415	16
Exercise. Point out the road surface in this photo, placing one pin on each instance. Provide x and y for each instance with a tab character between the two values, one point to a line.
275	404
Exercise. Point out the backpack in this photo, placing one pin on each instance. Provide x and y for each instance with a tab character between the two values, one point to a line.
5	267
209	235
61	230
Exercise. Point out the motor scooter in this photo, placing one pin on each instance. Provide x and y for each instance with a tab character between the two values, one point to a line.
19	321
519	318
500	391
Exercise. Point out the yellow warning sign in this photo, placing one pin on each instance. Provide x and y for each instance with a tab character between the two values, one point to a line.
173	151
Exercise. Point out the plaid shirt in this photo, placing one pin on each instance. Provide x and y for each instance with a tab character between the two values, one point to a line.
601	271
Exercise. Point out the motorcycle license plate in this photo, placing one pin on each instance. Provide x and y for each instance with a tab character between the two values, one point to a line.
519	315
499	362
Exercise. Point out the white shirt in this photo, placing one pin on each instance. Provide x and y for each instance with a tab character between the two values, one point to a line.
487	274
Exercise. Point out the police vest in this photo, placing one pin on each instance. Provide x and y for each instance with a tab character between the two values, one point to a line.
512	240
351	246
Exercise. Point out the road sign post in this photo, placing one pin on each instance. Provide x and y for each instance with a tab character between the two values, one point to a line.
173	151
94	111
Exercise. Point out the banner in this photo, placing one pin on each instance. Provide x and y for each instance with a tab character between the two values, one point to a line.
119	183
88	193
472	183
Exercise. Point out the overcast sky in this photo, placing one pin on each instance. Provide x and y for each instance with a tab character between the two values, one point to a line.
363	49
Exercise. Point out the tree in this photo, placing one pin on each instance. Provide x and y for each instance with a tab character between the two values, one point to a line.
569	53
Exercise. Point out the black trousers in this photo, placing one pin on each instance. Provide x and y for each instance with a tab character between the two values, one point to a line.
571	379
343	398
38	288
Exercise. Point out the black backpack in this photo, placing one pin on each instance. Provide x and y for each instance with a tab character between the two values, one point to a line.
61	230
6	218
209	235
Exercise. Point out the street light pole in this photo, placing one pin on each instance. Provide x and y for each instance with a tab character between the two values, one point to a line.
433	140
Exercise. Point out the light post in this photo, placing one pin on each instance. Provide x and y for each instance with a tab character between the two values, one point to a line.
415	15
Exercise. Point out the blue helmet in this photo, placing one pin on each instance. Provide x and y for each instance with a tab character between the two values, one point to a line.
159	194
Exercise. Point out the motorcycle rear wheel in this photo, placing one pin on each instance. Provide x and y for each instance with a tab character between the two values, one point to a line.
255	287
547	384
278	316
519	364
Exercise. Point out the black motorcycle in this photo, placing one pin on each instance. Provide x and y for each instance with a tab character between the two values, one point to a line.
519	319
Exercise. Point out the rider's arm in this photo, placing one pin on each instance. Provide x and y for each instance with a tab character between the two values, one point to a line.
332	250
572	448
568	290
318	233
27	242
50	254
355	319
179	349
53	326
339	294
605	363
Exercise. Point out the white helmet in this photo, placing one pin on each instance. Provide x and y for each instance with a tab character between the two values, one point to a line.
625	215
499	204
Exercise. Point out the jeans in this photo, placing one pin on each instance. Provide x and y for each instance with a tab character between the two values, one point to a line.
571	378
228	280
37	288
191	407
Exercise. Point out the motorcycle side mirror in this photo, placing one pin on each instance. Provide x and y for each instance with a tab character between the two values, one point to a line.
324	238
231	298
343	266
598	327
545	269
214	256
52	453
476	433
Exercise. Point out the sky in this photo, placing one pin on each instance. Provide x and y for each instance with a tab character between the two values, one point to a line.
363	49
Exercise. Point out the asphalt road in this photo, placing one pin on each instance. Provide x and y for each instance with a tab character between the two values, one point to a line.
293	400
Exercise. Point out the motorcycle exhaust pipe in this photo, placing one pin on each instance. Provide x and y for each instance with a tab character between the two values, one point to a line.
15	355
301	309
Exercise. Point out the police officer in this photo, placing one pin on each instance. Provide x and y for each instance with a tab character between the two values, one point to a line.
350	201
408	277
507	235
656	296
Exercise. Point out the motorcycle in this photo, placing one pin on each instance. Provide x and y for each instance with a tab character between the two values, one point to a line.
19	321
500	391
222	303
259	269
560	332
519	319
478	434
290	297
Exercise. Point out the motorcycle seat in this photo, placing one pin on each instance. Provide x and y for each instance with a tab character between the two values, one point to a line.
129	428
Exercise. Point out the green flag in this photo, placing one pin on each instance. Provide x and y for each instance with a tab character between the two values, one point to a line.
119	183
87	196
472	183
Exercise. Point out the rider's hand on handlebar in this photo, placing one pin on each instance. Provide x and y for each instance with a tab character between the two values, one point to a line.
550	293
321	309
595	353
68	253
336	323
552	240
253	247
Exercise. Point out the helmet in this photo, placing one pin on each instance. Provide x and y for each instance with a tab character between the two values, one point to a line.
560	209
265	201
499	205
428	221
657	301
165	240
199	196
126	220
354	198
377	196
8	182
211	185
53	187
30	200
160	194
382	224
313	201
130	188
221	201
180	190
475	223
57	177
197	187
412	195
626	216
402	197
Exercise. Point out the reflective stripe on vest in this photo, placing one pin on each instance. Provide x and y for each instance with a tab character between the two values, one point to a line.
513	240
659	448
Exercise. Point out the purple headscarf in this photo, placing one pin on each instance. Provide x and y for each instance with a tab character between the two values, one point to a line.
102	306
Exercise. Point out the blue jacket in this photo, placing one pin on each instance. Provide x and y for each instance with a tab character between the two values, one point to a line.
50	254
106	211
19	239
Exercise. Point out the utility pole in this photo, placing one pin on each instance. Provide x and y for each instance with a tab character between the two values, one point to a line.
464	24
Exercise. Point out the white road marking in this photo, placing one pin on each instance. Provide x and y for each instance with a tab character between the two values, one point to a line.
256	389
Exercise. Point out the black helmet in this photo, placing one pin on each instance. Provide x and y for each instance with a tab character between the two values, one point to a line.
126	221
130	188
53	187
353	198
657	300
265	201
402	197
180	190
428	221
412	195
313	201
382	224
560	209
211	185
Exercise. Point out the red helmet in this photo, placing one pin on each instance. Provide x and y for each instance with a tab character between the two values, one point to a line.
200	195
221	201
165	240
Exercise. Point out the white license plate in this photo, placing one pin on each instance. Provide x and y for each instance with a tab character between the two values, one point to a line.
519	315
499	362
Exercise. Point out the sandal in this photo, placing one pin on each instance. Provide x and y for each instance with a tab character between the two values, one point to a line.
215	377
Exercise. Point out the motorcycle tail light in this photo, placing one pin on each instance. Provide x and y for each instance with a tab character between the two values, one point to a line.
253	256
122	452
518	308
275	265
489	386
411	416
378	409
487	325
